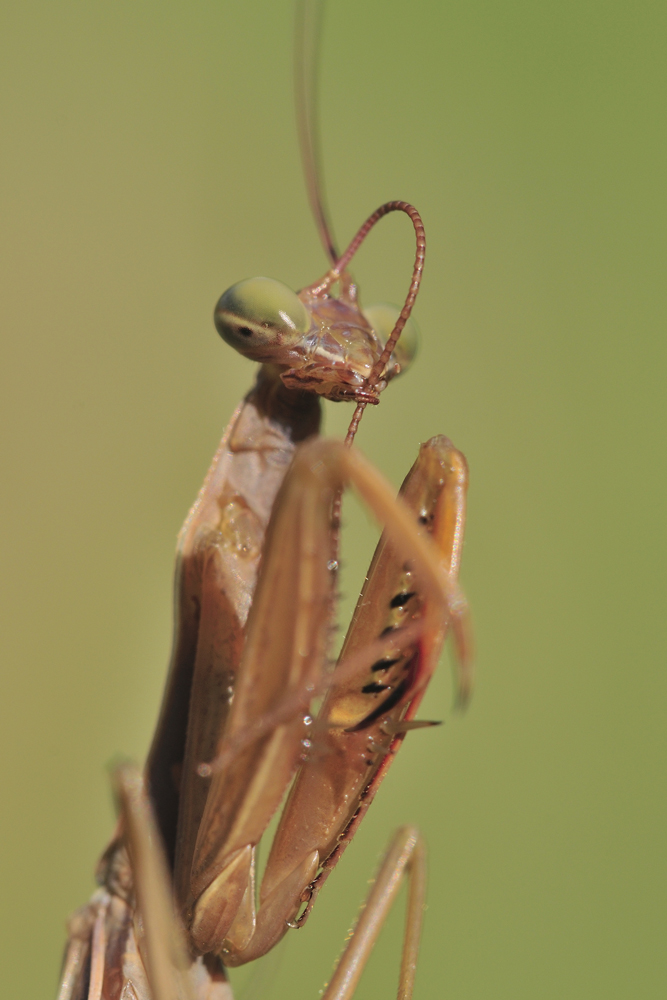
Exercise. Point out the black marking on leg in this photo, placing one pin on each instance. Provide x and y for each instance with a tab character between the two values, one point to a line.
374	688
385	706
385	664
401	599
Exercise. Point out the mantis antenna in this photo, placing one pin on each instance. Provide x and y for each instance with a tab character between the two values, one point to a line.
307	37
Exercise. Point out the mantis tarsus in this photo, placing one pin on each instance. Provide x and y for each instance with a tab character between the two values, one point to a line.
255	588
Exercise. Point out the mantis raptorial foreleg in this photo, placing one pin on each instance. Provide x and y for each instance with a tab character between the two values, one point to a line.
373	711
361	719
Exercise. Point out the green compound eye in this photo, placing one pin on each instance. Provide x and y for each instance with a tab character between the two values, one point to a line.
382	318
261	318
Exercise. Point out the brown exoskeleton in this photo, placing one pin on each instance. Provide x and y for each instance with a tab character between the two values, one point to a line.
255	588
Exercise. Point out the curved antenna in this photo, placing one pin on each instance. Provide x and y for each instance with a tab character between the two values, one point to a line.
417	270
307	35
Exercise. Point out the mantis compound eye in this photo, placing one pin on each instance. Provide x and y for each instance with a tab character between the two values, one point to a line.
262	319
382	318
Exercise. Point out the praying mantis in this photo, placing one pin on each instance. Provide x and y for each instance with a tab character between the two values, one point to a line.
256	578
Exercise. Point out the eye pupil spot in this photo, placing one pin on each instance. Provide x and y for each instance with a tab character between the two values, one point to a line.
245	331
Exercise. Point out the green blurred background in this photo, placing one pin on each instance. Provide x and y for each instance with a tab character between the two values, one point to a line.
148	161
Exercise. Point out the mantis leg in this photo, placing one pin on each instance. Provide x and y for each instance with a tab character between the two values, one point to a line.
284	654
128	937
162	941
103	960
405	856
156	965
135	948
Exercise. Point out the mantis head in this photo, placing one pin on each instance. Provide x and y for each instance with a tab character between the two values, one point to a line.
320	342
